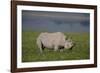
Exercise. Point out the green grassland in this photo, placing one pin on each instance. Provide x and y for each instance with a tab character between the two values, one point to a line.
31	53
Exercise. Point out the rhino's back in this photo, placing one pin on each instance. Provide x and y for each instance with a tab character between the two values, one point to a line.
51	39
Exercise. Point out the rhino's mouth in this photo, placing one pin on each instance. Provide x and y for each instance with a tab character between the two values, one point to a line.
71	47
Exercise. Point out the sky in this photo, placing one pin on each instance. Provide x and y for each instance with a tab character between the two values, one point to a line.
39	21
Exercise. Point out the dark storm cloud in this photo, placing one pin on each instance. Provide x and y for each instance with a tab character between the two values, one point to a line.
55	21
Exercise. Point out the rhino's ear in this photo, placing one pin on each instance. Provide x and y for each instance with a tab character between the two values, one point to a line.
69	40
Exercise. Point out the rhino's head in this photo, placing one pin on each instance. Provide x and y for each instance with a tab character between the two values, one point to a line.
68	44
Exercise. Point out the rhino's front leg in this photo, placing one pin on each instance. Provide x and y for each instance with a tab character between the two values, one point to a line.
55	48
61	50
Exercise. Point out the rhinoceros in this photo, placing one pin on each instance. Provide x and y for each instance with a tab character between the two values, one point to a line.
56	41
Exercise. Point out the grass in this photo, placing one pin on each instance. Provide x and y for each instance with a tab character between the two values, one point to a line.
31	53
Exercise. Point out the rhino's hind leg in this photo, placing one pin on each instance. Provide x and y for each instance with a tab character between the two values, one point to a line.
40	49
39	43
42	46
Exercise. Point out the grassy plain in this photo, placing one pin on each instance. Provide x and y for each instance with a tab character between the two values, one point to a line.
31	53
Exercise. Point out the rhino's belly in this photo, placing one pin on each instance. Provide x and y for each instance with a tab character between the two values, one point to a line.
47	44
